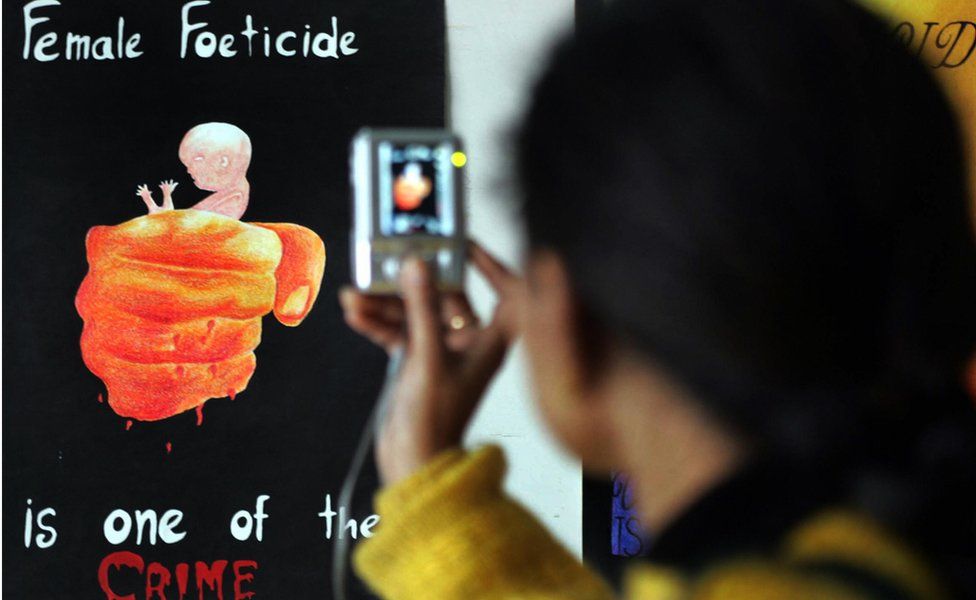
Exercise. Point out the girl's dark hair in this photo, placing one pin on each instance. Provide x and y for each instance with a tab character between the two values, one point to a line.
769	199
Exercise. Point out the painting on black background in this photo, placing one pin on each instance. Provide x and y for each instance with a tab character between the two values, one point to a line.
182	398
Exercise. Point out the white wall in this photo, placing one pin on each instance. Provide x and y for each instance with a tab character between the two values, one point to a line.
495	49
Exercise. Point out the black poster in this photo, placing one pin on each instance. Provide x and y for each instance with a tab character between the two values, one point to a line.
181	398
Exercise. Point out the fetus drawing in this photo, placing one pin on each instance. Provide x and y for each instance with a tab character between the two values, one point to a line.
216	156
173	300
411	187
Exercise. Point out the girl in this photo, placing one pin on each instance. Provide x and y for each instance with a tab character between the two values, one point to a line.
751	286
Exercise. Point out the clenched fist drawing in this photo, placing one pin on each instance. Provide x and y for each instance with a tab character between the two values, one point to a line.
173	301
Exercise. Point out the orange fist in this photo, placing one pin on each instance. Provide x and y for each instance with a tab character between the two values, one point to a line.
173	301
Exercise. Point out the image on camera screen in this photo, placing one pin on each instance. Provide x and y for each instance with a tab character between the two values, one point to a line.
416	184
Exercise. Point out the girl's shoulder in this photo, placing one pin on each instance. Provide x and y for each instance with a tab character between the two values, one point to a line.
838	554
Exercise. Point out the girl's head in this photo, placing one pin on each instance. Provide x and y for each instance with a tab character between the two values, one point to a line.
763	203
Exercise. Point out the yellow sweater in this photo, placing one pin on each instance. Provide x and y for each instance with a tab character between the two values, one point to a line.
449	532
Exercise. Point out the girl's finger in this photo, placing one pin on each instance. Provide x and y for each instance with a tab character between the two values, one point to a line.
379	319
421	303
483	358
498	275
456	312
389	308
460	323
388	336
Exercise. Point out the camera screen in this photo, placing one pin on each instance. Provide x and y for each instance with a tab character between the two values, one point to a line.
416	189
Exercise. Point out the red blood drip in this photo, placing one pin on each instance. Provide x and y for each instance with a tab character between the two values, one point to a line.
180	370
176	339
128	424
213	370
199	415
182	577
169	447
231	394
100	398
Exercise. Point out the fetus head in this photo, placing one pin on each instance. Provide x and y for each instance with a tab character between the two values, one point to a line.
216	155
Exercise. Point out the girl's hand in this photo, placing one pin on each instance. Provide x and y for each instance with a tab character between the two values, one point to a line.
449	358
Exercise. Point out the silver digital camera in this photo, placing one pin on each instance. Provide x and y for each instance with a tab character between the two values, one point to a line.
407	193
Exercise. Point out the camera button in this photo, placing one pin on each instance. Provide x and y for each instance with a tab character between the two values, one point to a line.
445	258
391	268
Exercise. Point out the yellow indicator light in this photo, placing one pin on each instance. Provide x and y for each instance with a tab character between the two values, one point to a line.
459	159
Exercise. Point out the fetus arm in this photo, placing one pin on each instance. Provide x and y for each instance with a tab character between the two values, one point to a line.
167	187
